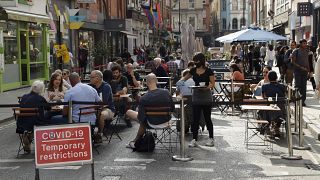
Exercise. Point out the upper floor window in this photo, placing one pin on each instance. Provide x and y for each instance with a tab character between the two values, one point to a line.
234	23
224	23
242	22
234	4
191	4
192	21
224	5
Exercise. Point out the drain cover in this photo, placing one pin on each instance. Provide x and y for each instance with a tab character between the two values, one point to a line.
313	166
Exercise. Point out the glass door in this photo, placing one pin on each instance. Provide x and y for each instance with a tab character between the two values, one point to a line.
24	57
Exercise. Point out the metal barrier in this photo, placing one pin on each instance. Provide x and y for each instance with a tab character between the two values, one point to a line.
290	155
182	157
300	146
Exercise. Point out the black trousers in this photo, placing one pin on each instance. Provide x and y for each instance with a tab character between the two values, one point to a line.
206	109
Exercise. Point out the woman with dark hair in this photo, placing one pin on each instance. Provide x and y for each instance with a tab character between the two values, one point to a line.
107	76
280	61
236	72
56	90
204	75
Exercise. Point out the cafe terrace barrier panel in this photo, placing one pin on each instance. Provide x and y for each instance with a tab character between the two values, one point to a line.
61	145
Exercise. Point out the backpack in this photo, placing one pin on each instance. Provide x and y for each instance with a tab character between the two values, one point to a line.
145	143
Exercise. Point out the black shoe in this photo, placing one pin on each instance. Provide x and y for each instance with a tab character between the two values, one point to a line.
128	122
304	104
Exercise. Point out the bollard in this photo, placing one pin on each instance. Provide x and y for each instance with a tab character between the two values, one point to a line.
301	147
290	155
182	157
296	112
170	85
70	112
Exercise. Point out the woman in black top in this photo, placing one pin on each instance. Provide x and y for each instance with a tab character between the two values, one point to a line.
201	73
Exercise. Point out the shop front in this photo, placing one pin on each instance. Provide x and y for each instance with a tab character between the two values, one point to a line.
24	47
316	22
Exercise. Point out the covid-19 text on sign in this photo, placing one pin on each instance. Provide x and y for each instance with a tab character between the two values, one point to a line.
63	145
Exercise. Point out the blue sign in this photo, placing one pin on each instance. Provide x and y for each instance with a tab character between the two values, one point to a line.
77	18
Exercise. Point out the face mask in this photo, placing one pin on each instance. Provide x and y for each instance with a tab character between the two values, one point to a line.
198	64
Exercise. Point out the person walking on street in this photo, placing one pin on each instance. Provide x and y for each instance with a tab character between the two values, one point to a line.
301	70
288	67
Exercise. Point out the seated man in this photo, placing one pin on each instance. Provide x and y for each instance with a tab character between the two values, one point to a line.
134	80
105	92
274	89
25	125
119	85
155	96
79	92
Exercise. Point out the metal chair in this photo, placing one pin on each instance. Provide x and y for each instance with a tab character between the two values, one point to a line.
20	114
163	132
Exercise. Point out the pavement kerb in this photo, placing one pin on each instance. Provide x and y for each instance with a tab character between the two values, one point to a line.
311	126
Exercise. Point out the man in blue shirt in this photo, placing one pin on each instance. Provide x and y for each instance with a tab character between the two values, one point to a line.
104	91
81	92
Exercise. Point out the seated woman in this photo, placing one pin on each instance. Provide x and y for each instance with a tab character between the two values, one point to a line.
274	89
236	73
34	99
256	88
56	90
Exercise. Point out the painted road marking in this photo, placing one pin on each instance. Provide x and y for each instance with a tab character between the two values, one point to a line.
191	169
15	160
111	178
203	162
65	167
124	167
9	168
133	160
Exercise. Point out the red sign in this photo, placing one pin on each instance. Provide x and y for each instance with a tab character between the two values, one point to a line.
63	145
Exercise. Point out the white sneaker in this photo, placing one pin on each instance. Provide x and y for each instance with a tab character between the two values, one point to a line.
210	142
193	143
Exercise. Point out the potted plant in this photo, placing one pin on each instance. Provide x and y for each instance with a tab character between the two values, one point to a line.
100	52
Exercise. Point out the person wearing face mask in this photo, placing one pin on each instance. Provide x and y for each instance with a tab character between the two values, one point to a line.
201	73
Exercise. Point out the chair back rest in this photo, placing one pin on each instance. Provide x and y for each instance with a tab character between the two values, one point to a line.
157	111
88	110
25	112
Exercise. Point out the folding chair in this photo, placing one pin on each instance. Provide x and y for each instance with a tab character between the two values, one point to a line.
20	114
162	132
116	119
89	110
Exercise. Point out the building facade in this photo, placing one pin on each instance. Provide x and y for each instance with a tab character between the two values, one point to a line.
24	39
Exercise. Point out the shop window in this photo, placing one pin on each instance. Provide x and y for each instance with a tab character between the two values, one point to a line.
35	42
10	43
37	71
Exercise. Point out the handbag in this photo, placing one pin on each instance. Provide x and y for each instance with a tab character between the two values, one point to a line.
202	96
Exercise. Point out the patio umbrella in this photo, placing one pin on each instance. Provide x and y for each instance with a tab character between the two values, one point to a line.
191	42
184	42
251	34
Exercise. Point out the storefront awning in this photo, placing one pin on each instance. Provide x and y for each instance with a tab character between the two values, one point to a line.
29	17
129	34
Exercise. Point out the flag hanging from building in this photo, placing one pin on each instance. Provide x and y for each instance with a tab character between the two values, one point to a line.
148	11
159	14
